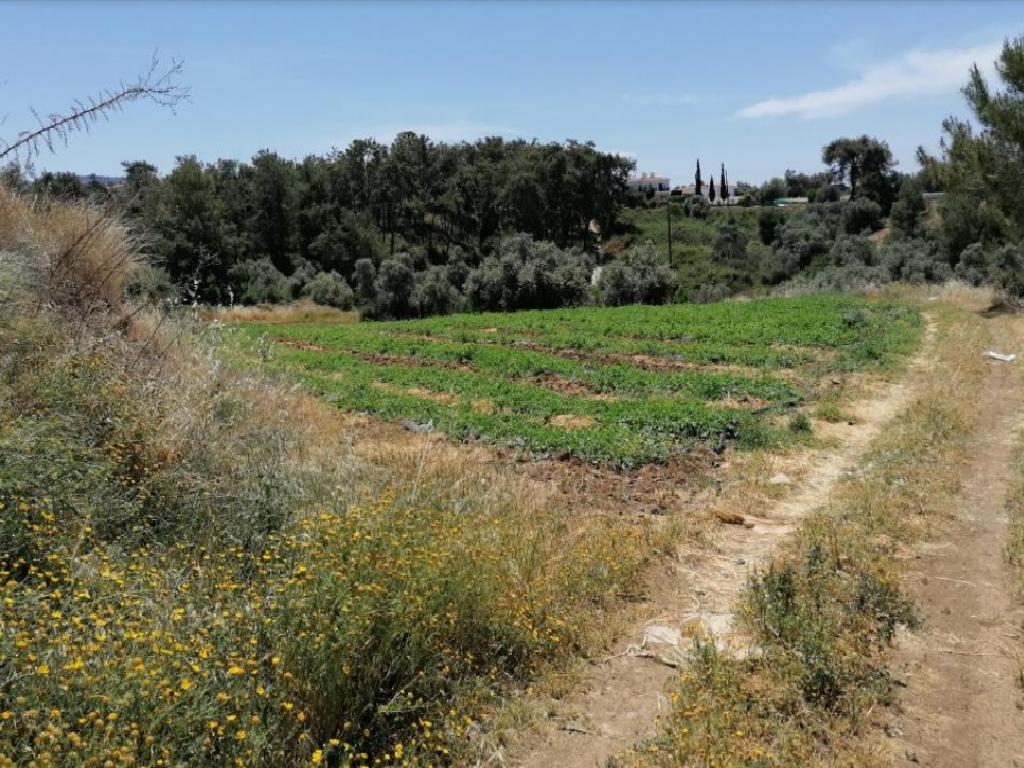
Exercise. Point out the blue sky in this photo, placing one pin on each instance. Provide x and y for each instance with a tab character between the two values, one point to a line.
760	86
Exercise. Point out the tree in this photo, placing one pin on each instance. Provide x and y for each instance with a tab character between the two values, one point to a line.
852	251
272	224
393	288
711	189
696	207
982	170
866	164
730	246
12	178
768	221
723	188
63	185
771	190
697	183
433	293
906	219
437	202
364	280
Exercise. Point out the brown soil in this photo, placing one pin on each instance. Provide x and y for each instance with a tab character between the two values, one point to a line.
407	360
621	695
647	362
562	385
303	345
962	703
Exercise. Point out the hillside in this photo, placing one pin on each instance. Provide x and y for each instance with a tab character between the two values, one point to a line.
693	242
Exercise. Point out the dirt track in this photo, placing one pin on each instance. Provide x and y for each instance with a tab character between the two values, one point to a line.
962	704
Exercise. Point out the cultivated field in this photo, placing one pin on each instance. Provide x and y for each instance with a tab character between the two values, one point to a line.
624	385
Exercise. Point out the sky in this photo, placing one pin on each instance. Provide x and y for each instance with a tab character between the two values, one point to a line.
760	85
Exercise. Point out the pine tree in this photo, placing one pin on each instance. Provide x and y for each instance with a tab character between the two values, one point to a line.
711	189
697	183
723	187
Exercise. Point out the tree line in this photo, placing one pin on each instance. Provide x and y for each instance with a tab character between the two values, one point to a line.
219	225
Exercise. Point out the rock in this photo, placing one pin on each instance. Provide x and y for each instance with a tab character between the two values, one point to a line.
728	517
421	428
659	634
779	479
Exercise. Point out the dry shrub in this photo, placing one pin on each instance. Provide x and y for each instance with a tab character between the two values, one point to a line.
76	257
966	296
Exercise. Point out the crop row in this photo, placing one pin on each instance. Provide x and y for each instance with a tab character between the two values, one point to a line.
469	405
816	321
511	362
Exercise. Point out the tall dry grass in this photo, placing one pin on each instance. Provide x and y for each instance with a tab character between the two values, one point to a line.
302	311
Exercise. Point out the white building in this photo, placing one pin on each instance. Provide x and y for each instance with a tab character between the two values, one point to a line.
661	185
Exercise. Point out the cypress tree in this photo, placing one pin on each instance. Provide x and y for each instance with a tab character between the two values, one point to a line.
697	183
711	189
723	187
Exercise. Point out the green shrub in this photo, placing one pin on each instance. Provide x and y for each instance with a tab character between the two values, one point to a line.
330	290
259	282
150	283
393	288
639	276
696	207
433	292
730	246
526	274
799	423
861	215
709	293
852	251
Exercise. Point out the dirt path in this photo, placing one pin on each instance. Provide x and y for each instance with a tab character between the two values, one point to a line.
962	705
621	696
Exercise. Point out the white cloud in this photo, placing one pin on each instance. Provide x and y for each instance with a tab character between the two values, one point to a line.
916	73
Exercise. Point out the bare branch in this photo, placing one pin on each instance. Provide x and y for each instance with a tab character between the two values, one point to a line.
155	85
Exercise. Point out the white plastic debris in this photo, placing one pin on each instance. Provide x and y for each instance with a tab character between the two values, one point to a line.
659	634
1000	356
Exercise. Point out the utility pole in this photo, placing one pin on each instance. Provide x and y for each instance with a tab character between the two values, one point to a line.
668	213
